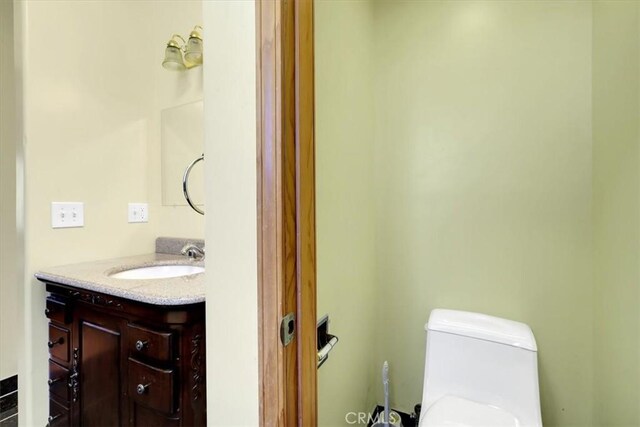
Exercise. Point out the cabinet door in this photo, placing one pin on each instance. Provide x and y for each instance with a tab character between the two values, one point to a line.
100	370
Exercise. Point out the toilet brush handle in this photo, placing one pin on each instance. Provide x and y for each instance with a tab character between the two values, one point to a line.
385	383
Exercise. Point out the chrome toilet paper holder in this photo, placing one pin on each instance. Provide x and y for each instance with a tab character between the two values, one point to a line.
325	340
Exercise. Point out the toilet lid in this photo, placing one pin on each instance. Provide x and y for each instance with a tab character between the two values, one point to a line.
452	411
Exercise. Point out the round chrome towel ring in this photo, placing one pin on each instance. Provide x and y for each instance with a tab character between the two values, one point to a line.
185	181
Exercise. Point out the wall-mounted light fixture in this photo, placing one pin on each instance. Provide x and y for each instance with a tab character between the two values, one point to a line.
180	55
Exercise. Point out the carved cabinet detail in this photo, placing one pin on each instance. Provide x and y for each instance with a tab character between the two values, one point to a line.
118	362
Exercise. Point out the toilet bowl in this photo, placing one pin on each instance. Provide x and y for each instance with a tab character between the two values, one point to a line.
480	370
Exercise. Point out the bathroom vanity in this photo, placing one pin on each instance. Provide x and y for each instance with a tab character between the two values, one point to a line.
125	352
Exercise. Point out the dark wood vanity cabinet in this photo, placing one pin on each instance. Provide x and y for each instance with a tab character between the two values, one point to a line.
118	362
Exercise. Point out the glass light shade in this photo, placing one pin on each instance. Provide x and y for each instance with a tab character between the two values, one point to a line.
193	55
173	59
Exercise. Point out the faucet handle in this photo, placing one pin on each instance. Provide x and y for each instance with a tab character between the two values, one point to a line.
192	251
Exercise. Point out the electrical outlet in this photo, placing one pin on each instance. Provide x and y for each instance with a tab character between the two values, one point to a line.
67	214
138	212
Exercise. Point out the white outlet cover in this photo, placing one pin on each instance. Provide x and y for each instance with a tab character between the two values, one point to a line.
67	214
138	212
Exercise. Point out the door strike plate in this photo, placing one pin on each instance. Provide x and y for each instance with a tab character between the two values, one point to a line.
288	328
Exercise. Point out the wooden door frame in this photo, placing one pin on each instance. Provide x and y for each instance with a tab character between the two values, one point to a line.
286	210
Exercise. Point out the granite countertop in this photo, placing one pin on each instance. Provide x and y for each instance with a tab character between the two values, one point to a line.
94	276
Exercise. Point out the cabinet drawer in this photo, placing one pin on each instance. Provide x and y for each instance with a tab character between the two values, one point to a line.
143	416
58	311
58	382
58	342
149	343
58	415
151	386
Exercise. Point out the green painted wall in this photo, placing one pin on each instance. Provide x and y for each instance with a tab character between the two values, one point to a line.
345	199
488	153
483	163
616	182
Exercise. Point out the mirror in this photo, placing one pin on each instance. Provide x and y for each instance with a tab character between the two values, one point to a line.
182	142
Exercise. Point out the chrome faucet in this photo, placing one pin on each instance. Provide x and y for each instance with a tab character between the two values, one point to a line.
193	251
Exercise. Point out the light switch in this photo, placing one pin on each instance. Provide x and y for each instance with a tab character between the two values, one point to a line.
67	214
138	212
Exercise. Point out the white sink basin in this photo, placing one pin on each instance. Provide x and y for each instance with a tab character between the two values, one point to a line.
158	272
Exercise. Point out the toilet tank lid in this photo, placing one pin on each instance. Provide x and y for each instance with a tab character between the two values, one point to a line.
482	326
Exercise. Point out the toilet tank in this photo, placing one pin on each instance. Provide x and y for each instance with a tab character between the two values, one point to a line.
485	359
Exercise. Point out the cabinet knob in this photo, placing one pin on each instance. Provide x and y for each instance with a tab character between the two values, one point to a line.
52	381
59	340
141	345
52	418
142	388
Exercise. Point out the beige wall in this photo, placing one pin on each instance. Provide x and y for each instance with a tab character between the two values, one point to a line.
169	90
9	329
345	199
230	183
93	91
483	162
616	133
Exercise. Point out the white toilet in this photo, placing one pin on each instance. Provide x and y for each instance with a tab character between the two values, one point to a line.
480	371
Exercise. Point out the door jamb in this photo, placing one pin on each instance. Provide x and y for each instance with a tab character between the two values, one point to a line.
306	212
286	211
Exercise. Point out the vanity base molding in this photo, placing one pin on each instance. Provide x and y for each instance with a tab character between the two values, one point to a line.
118	362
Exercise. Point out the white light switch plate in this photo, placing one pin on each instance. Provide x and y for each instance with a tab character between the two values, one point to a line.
138	212
67	214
